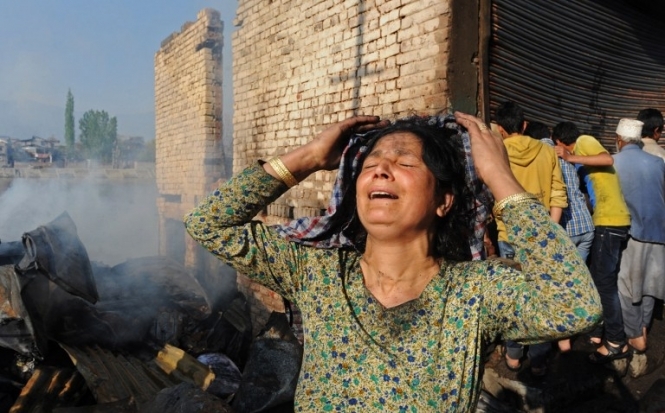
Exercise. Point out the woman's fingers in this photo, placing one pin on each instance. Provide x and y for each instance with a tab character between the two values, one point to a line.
349	125
486	142
360	120
471	123
488	151
372	124
329	144
359	123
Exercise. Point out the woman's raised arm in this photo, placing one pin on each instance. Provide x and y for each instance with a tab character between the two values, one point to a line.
325	150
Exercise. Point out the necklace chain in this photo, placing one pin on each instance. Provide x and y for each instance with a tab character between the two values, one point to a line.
437	261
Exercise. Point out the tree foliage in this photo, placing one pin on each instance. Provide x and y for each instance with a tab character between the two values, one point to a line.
99	133
148	153
69	122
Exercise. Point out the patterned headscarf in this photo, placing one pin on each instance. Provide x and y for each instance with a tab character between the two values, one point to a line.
323	232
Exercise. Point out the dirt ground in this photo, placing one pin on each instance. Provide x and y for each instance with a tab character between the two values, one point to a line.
573	385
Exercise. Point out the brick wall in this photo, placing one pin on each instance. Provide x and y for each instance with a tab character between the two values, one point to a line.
301	64
188	113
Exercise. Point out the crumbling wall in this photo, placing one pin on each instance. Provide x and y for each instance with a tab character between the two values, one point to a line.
299	65
188	127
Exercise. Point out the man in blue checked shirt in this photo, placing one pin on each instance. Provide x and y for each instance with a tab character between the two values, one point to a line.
575	218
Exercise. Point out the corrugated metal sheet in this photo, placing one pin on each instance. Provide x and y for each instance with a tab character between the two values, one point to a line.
590	62
114	377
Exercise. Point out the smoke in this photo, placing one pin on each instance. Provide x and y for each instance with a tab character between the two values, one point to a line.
115	220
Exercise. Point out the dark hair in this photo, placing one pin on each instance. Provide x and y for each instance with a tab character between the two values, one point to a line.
537	130
510	116
443	154
566	132
653	120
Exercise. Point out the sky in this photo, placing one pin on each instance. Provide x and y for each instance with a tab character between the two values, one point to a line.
103	51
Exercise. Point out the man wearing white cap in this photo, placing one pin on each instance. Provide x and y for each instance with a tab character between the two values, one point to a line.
611	219
641	275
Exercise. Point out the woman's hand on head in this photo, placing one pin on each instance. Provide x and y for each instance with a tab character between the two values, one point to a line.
325	150
490	157
327	147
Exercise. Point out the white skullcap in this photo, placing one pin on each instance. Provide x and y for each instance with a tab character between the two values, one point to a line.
630	129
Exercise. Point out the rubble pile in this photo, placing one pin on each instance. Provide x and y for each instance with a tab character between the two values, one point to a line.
141	336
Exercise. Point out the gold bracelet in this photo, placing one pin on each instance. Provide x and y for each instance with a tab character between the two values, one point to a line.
284	174
512	199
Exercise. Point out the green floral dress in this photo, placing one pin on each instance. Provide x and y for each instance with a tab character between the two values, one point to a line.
424	355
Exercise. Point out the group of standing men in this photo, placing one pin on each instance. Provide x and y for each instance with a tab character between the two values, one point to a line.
612	207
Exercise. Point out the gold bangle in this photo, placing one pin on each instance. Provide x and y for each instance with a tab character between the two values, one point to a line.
284	174
512	199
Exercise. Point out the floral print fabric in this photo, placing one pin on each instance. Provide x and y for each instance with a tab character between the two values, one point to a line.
424	355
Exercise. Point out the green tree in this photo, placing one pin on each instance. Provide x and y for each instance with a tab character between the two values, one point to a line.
99	133
69	122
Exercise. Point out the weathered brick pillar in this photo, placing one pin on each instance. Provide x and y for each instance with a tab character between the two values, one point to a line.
188	112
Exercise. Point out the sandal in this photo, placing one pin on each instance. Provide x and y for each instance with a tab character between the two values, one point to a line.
613	353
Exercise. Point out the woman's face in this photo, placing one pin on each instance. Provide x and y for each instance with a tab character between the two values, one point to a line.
395	189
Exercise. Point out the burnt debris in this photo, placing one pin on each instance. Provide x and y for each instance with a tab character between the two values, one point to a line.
140	336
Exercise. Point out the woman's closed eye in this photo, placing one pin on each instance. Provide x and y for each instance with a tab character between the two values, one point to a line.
404	164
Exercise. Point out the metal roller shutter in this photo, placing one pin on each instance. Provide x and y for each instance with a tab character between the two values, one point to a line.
590	62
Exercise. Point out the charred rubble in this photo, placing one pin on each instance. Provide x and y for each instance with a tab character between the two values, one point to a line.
142	336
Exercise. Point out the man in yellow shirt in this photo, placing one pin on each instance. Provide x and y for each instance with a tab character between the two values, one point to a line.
612	221
534	164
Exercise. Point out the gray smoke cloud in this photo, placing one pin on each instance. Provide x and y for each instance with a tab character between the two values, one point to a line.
115	220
